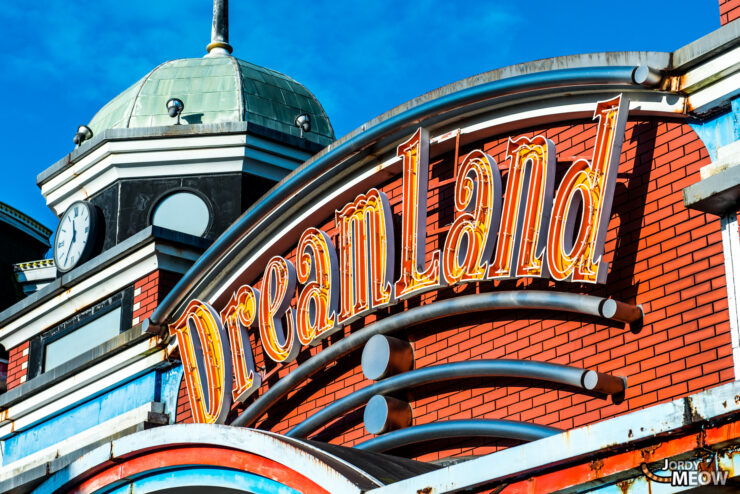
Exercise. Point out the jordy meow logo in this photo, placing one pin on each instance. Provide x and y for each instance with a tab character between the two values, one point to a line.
687	473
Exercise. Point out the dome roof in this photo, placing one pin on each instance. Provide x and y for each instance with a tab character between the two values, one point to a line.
215	90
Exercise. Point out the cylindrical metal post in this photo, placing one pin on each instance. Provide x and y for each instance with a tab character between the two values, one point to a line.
647	76
385	356
383	414
620	311
219	44
602	383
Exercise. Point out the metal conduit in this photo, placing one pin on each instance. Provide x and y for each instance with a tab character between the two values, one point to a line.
526	369
499	429
315	174
525	299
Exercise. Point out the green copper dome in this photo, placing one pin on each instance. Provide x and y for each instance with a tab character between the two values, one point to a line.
215	90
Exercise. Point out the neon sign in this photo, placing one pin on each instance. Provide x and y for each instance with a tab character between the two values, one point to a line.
528	231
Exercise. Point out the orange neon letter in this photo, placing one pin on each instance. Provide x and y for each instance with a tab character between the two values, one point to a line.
238	316
200	337
574	250
414	278
470	241
278	287
366	254
317	269
523	232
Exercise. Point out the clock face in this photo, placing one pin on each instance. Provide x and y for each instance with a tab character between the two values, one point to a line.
74	236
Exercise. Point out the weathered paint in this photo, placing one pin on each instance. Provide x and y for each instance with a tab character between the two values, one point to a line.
193	477
324	469
179	459
719	130
592	441
89	414
168	390
622	467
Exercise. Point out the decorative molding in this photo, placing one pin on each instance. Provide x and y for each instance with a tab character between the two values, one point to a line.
126	423
170	156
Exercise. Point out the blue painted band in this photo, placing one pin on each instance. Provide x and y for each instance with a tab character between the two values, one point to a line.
203	478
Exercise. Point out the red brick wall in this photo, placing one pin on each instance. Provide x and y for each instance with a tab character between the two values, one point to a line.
662	256
17	365
729	10
149	290
183	413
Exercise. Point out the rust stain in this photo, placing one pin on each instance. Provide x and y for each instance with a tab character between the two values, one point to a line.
647	453
707	464
625	485
596	465
677	83
701	438
425	490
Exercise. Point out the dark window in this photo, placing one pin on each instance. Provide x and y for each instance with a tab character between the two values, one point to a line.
82	332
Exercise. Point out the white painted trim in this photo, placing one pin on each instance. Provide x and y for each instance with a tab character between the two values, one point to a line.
731	250
93	289
576	107
715	94
126	271
176	156
83	394
78	381
710	71
537	455
140	145
102	431
261	443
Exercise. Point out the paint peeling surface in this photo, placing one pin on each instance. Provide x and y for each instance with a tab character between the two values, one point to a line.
113	403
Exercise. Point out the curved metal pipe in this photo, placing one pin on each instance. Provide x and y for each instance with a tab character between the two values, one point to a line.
525	369
526	299
500	429
302	181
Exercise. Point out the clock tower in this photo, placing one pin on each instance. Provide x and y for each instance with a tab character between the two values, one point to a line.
157	174
188	147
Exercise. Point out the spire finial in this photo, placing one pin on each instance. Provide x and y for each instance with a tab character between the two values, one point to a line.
219	45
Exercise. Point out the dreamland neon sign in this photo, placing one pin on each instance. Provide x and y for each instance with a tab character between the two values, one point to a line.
540	234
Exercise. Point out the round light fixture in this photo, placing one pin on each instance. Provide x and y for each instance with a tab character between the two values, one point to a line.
303	122
175	106
83	133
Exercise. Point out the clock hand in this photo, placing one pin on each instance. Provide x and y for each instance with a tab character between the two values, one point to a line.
71	242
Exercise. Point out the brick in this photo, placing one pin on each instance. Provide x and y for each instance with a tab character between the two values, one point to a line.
671	267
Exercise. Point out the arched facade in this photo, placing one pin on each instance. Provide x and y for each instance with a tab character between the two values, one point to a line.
525	281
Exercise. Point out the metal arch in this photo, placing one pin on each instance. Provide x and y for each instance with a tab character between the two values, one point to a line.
314	174
500	429
525	299
322	467
526	369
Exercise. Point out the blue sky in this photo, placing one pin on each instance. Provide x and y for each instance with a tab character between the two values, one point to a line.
61	61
